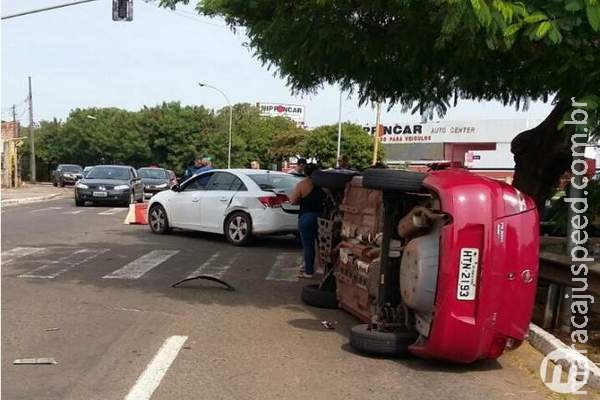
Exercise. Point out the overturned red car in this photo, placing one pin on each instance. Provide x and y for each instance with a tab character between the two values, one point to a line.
442	265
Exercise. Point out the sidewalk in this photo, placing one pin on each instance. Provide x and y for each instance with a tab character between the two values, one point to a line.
30	193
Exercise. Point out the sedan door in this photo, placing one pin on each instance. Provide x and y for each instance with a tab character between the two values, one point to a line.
185	205
217	198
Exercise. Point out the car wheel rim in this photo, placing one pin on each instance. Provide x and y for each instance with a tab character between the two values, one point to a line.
238	229
157	219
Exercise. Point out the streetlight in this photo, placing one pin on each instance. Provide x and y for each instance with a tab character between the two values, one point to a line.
230	118
91	117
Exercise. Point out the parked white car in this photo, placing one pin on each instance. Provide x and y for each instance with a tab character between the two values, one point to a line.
238	203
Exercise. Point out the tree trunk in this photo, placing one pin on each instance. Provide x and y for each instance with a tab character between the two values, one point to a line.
542	155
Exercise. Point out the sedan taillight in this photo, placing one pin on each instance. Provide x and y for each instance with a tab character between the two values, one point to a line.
273	201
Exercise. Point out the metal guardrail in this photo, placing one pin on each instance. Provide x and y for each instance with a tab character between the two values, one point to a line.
555	269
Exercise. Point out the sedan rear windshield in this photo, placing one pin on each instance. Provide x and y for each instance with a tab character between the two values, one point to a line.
283	182
153	173
109	173
70	168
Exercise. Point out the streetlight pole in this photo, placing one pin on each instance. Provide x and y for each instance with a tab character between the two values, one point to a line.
339	142
230	118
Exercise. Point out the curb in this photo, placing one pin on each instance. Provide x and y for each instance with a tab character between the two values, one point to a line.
546	343
27	200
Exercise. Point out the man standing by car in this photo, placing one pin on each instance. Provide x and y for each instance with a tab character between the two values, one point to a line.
300	165
195	168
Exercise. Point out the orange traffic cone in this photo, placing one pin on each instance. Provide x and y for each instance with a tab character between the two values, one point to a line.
137	215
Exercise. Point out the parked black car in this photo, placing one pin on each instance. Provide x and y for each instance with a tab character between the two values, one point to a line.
155	180
110	184
66	174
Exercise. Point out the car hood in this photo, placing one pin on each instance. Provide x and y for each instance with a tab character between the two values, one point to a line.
111	182
154	181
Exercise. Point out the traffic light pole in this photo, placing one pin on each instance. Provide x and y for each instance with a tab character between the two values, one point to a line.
47	9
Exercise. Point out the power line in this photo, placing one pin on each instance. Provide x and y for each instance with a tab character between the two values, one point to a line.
186	14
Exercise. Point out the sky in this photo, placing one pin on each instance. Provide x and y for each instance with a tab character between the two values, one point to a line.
78	57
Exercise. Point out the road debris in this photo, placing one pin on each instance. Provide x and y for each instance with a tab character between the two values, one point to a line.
328	324
35	361
52	329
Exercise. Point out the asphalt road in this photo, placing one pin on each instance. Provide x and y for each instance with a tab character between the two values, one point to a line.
80	286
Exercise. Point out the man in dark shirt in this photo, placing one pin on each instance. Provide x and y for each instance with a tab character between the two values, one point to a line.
194	168
300	165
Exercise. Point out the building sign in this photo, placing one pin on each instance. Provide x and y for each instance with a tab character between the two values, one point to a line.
292	111
482	131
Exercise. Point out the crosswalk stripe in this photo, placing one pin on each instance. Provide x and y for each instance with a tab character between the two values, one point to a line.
18	252
209	267
112	211
46	209
69	261
141	265
282	270
74	212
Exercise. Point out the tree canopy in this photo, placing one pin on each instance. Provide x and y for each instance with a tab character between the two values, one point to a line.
425	54
321	144
172	135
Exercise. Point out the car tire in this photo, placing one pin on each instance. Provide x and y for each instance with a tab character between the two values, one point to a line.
393	180
238	228
332	178
79	203
380	343
158	220
313	296
54	183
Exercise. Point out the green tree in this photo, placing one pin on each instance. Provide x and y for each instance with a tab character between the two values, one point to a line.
427	54
321	144
168	134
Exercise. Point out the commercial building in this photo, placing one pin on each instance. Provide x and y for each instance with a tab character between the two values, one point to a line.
482	146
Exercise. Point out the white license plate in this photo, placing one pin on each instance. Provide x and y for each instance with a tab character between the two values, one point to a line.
100	194
467	274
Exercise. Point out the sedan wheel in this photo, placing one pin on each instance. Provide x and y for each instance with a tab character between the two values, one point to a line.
158	221
238	229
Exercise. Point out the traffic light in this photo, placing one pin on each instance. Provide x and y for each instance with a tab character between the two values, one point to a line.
122	10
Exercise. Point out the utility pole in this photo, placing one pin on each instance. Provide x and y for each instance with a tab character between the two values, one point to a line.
14	113
376	136
339	138
31	139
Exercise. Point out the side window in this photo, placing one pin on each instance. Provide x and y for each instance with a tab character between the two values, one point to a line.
199	183
225	181
238	185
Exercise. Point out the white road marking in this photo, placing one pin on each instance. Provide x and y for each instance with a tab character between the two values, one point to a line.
17	252
140	266
285	267
74	212
46	209
70	261
113	211
211	268
149	380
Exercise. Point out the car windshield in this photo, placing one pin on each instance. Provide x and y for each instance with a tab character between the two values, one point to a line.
273	181
71	168
116	173
153	173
